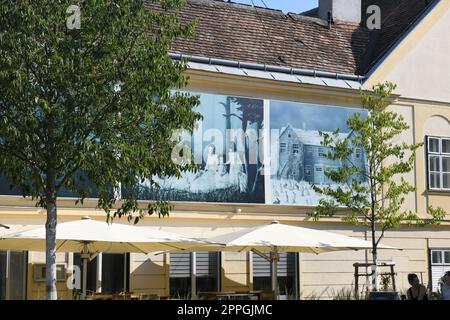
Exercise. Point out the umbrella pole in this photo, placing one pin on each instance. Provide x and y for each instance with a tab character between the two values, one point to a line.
274	260
85	258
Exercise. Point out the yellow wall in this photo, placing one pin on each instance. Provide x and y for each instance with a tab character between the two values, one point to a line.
322	275
430	119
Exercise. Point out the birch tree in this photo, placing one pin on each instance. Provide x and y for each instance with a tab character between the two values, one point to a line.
374	195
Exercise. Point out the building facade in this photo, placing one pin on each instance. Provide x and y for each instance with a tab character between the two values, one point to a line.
260	72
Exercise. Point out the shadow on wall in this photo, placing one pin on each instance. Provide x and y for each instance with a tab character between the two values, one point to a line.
150	277
234	281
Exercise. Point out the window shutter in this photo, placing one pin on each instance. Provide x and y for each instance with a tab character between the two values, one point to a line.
262	267
437	271
180	265
206	263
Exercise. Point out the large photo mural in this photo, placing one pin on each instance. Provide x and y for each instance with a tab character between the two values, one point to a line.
298	160
226	147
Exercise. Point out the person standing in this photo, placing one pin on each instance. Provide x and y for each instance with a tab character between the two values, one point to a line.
445	286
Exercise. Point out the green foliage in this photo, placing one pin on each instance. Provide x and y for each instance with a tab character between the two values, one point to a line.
376	200
93	104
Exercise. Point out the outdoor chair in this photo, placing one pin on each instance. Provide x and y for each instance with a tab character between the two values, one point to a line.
267	295
145	296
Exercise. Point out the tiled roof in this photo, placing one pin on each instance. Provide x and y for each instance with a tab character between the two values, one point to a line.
397	16
265	36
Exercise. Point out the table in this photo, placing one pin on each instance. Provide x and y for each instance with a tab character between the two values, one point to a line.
236	295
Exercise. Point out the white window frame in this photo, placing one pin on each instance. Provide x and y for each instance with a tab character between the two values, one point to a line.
358	153
295	148
442	253
441	156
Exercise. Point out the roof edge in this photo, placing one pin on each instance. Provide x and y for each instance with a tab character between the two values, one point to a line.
264	67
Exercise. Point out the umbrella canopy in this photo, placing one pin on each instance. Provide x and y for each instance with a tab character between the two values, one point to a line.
100	237
285	238
91	237
276	237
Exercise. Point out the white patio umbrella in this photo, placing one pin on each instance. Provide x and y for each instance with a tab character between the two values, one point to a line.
277	237
90	237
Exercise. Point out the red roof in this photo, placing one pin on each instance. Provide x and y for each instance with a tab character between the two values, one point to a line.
265	36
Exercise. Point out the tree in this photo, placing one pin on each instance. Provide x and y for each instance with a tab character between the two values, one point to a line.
375	193
86	99
251	114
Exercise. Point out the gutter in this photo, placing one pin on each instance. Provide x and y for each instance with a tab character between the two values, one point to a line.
264	67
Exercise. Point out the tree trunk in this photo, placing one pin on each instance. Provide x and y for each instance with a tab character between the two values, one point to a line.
375	285
227	107
50	252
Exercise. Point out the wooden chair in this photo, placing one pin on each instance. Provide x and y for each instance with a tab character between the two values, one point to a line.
122	296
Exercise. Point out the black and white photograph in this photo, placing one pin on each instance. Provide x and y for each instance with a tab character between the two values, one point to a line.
226	147
298	158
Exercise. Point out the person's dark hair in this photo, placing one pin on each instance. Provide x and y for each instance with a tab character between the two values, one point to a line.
411	278
447	274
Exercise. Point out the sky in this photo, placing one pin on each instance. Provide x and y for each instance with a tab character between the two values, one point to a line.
286	6
309	117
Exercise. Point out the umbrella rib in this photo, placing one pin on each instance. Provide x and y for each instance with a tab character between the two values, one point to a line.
172	246
62	243
136	247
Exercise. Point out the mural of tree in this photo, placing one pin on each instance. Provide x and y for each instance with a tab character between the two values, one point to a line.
227	115
251	114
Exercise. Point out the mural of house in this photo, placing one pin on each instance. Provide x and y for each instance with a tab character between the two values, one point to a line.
300	58
303	157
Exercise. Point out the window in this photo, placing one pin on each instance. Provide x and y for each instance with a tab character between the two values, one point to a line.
112	277
295	148
319	169
321	152
282	147
13	275
308	170
287	270
207	265
441	256
358	153
440	263
438	157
